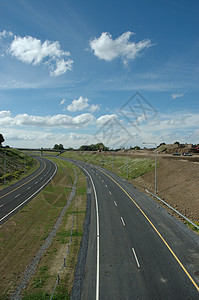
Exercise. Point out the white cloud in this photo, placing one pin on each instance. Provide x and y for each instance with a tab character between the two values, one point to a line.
4	34
108	49
17	131
94	107
19	137
174	96
62	102
62	66
178	121
60	120
5	113
104	119
32	51
78	105
82	104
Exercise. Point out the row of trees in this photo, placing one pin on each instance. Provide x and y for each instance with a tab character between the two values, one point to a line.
92	147
100	147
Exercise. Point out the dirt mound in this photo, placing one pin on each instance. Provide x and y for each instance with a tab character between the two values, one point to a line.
177	184
177	148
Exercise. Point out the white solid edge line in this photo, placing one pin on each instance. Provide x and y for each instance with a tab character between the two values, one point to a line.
136	258
97	216
31	195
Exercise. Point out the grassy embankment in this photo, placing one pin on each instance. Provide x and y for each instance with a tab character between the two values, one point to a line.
18	165
23	234
114	163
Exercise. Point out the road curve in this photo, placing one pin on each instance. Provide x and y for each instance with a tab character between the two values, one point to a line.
16	196
136	250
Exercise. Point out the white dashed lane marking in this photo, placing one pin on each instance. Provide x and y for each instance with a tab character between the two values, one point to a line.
122	221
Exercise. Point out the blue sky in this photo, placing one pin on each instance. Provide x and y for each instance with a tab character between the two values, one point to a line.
118	72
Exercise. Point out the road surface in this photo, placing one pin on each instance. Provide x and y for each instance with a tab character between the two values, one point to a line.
15	196
136	250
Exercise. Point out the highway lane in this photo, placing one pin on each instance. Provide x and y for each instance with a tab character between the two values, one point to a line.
140	251
15	196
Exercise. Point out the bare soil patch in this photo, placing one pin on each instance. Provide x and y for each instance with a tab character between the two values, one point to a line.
177	184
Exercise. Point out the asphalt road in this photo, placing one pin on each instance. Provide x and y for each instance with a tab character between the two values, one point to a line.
16	196
136	250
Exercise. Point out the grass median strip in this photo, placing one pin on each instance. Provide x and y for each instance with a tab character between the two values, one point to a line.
24	234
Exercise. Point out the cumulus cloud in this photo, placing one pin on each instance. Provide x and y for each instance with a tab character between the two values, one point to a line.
104	119
78	105
5	113
59	121
62	66
82	104
105	47
94	107
31	50
174	96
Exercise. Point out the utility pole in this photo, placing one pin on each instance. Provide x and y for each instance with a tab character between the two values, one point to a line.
4	166
127	165
155	164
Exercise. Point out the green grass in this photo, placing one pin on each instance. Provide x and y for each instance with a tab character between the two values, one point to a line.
37	296
193	227
18	166
115	163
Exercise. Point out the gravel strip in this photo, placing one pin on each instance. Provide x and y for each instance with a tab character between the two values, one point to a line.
81	263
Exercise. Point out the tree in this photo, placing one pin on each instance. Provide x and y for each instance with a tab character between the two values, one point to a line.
161	144
1	139
58	147
136	148
94	147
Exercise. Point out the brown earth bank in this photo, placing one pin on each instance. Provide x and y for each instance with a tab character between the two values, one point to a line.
177	183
